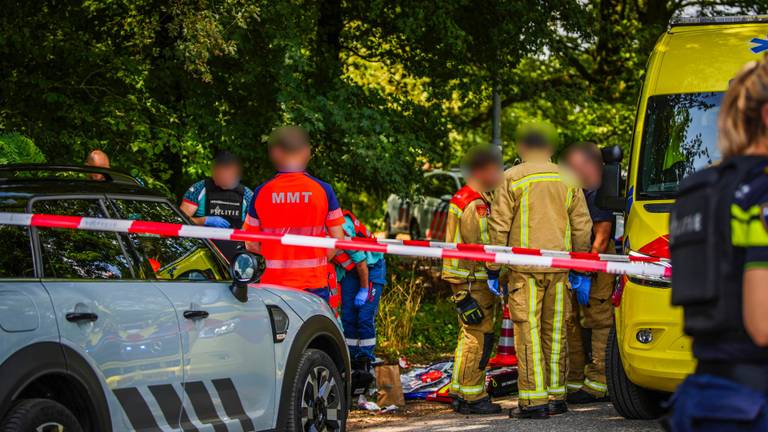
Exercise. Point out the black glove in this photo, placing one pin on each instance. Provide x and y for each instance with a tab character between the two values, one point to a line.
467	307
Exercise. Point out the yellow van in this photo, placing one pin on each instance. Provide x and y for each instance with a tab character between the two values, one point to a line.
675	134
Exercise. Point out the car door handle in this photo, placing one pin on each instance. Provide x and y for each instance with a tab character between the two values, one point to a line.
81	316
195	314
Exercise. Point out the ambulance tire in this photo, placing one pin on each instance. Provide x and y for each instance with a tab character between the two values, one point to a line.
326	410
630	400
39	415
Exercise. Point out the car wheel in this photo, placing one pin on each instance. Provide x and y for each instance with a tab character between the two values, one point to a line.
629	399
414	230
317	395
39	415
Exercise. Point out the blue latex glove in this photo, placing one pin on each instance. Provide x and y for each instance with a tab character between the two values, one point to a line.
581	284
493	282
362	296
216	221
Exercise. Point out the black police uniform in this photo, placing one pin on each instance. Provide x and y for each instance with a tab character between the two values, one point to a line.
718	229
228	204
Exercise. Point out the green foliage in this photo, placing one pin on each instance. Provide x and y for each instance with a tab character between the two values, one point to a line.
16	148
384	86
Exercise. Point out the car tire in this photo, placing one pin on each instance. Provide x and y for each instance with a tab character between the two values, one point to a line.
39	415
414	231
326	410
630	400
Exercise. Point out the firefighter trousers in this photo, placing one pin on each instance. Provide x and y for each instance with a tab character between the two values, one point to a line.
588	329
539	307
475	344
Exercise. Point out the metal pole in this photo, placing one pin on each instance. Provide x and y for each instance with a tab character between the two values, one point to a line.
496	121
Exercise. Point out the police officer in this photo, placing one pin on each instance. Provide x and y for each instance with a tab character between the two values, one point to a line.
719	245
294	202
474	295
538	207
592	312
219	201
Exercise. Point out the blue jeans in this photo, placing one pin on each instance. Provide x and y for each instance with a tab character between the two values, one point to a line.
359	322
323	293
705	403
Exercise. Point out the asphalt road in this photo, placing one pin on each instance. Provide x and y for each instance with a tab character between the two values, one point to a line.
433	417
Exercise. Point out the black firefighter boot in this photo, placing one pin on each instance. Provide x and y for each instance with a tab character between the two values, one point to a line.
481	406
534	412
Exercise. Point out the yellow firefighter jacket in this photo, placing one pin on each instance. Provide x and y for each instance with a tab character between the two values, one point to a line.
467	223
539	207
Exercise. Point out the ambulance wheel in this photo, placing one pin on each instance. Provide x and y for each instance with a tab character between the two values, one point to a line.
39	415
317	395
630	400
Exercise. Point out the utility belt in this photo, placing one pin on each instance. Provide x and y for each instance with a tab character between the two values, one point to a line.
751	375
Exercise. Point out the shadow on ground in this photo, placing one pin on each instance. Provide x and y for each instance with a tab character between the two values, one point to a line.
427	417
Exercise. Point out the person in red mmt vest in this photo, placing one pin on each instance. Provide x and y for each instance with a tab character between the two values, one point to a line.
294	202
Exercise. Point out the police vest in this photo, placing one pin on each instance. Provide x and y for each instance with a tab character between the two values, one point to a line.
227	203
707	270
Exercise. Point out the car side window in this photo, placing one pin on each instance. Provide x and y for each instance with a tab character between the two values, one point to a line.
76	254
170	258
15	247
439	185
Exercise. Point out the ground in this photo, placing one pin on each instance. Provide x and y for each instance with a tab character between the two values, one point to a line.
428	416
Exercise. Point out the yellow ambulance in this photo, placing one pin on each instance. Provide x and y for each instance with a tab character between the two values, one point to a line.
675	134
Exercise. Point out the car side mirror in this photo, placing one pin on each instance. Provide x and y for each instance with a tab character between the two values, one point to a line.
246	268
446	197
609	195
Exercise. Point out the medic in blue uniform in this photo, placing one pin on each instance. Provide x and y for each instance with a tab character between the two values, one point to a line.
362	276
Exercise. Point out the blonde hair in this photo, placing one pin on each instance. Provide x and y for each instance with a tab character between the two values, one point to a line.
741	121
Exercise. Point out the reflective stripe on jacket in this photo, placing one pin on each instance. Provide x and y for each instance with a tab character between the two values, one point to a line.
537	206
467	223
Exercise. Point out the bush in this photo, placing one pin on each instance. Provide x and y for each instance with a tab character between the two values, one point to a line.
16	148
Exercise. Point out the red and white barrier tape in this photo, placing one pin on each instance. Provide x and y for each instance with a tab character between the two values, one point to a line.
194	231
517	250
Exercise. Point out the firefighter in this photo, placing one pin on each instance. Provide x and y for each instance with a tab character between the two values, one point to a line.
719	245
537	206
219	201
592	311
294	202
474	294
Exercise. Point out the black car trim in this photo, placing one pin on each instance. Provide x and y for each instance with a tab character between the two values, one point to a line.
314	327
171	406
43	358
233	406
136	408
203	405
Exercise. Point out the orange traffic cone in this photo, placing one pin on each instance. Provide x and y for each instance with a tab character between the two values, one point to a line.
505	351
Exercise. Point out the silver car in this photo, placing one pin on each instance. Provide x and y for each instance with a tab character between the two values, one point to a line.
424	217
104	331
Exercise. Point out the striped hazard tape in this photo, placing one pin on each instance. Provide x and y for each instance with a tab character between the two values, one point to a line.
474	254
518	250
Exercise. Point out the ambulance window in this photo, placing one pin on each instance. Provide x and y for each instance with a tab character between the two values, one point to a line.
79	254
679	138
170	258
15	249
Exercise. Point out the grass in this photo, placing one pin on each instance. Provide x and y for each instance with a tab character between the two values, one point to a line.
415	319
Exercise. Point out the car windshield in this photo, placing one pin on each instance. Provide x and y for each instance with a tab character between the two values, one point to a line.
679	138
